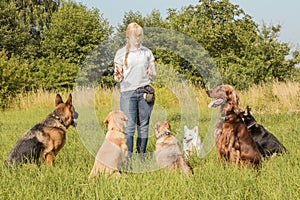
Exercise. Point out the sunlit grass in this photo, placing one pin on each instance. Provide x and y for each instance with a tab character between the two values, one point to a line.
273	97
278	177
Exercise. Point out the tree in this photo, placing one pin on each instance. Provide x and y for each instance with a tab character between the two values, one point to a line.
154	19
37	14
13	78
74	32
22	24
13	33
244	53
52	73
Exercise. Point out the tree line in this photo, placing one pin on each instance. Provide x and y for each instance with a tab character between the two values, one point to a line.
44	43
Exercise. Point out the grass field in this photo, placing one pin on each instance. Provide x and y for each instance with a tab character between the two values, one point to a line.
279	177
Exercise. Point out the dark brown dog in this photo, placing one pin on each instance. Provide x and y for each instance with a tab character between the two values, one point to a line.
268	145
167	150
43	141
112	155
233	141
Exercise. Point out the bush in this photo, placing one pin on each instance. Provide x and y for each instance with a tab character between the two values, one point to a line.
13	78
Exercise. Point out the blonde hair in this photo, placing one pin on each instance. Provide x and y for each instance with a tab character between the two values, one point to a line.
135	30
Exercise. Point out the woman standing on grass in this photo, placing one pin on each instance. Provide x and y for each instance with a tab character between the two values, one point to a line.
134	68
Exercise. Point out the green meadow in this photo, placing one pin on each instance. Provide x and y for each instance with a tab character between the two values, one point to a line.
276	106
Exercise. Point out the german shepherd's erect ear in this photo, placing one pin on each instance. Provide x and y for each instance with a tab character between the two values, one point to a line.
58	100
69	100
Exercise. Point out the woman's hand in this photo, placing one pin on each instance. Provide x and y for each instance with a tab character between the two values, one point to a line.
151	71
118	72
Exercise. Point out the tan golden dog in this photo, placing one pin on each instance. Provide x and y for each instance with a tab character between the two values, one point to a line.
112	155
167	150
43	141
233	140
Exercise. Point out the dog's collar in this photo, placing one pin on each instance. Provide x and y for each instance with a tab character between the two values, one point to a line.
163	134
116	129
226	117
58	119
250	125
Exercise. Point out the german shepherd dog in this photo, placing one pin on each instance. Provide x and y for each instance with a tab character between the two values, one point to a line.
266	142
43	141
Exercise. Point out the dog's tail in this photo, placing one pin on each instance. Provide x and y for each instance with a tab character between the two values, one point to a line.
281	149
25	150
284	150
181	164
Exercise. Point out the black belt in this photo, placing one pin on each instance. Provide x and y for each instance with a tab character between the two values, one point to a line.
139	88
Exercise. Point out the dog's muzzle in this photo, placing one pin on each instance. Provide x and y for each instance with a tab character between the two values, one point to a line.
186	140
75	116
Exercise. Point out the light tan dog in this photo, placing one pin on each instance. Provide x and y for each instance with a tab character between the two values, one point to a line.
167	150
112	155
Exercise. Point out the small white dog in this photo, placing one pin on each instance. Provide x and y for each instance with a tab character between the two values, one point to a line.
191	141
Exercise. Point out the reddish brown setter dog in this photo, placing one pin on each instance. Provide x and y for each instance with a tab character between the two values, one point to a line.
233	141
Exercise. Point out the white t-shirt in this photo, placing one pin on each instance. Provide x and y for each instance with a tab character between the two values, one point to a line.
135	73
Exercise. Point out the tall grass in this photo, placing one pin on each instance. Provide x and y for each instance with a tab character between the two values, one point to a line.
278	177
273	97
266	98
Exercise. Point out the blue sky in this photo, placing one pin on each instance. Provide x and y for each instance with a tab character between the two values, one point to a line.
267	11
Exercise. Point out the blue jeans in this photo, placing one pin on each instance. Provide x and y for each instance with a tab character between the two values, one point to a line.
138	112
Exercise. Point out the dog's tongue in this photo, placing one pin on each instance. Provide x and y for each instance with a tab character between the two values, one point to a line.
215	103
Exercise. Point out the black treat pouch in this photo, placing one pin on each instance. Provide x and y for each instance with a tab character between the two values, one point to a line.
149	95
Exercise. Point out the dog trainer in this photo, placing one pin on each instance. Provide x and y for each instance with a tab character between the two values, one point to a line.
134	68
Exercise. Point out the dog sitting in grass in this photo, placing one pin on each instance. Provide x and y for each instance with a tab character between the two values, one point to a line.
234	142
43	141
267	144
167	149
191	141
112	155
